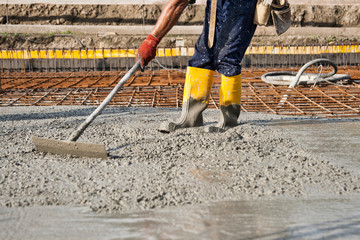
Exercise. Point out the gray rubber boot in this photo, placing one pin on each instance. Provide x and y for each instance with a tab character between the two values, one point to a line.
198	82
191	116
229	99
228	118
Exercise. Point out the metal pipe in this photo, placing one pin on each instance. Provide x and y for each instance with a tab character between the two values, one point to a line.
106	101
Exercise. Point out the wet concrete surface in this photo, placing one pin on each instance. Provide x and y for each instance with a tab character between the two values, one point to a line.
275	219
272	177
337	140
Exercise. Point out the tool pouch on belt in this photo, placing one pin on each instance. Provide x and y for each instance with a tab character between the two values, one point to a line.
262	12
280	12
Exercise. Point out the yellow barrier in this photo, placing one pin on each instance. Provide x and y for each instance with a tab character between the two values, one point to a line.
170	52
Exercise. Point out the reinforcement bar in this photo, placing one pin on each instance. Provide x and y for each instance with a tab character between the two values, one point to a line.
165	89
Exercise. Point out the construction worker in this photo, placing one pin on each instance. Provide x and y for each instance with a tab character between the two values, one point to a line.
219	50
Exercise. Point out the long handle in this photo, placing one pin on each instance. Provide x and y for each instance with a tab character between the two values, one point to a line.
104	103
212	23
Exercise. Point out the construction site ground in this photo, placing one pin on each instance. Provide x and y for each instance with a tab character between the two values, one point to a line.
289	169
150	177
164	88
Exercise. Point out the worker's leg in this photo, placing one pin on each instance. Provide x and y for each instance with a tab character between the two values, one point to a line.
233	38
195	99
199	77
204	56
229	99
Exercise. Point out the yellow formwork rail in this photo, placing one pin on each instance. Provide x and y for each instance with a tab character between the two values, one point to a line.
78	54
169	52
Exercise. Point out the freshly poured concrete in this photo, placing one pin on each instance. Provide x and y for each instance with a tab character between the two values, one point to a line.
148	169
254	219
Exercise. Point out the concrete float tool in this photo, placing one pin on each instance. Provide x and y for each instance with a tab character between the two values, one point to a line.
72	147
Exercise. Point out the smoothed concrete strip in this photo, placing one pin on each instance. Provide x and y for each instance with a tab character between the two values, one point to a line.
177	30
312	31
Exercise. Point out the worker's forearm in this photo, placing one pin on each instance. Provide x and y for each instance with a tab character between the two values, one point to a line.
169	16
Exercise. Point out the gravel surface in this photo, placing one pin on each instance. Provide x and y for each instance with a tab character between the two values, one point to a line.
148	169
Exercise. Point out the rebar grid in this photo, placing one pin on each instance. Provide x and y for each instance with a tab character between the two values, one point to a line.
165	89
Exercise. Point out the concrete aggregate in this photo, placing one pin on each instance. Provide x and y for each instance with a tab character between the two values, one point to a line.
148	169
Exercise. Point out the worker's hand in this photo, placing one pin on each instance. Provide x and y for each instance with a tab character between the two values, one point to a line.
147	50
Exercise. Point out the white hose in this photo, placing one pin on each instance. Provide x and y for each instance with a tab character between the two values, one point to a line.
300	78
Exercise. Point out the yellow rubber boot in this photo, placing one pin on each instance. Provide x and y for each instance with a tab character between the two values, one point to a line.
197	88
229	99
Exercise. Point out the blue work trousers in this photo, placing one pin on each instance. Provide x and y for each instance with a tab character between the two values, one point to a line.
234	31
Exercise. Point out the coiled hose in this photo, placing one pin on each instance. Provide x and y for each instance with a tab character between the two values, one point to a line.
300	78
